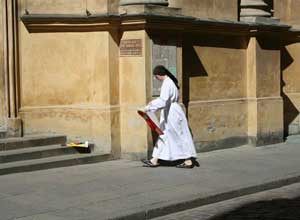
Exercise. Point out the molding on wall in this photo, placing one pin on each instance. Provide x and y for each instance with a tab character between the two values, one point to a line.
241	100
104	22
70	107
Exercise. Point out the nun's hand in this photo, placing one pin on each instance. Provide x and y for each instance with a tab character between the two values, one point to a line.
143	109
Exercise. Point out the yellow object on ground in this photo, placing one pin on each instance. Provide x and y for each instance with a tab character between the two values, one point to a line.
79	144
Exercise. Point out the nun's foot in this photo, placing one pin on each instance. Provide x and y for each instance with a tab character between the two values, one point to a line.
149	163
188	164
183	165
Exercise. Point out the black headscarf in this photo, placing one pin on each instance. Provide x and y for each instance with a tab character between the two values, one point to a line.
163	71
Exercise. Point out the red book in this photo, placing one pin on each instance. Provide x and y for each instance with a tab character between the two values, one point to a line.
151	120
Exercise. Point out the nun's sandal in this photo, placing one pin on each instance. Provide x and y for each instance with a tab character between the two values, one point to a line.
186	166
148	163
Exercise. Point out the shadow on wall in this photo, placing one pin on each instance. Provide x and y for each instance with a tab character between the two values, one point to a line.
195	67
290	112
192	67
192	64
277	209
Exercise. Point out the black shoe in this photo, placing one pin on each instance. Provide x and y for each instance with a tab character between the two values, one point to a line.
148	163
196	163
184	165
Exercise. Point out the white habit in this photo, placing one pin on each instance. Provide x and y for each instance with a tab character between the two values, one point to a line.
176	142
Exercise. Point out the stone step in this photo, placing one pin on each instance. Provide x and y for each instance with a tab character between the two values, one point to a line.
31	141
293	139
253	12
52	162
251	3
35	153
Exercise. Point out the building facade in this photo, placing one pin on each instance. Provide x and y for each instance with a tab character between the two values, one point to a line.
83	67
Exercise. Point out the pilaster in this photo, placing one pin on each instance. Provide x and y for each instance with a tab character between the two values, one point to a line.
10	68
265	105
2	76
113	65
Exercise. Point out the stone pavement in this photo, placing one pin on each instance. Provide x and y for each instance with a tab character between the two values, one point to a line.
125	190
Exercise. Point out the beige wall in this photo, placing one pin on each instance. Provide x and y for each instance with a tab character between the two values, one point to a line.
288	11
268	66
218	124
225	9
214	68
65	85
65	6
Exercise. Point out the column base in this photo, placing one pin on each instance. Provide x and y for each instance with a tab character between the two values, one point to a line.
266	139
139	2
268	20
14	127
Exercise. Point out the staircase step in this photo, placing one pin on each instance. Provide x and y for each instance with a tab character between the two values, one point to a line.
31	141
52	162
2	134
35	153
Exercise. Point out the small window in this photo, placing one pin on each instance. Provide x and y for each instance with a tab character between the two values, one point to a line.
164	52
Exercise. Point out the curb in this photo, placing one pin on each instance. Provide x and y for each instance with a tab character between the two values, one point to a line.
198	201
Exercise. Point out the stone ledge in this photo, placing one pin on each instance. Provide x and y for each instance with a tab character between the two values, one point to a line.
149	9
145	20
261	20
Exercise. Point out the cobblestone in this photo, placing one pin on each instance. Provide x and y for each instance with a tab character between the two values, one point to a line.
277	204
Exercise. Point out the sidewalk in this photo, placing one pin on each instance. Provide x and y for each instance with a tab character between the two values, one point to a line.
125	190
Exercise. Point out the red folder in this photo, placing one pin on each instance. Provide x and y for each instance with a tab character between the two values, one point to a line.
151	122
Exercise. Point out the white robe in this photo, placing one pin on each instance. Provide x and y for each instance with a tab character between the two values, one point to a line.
176	142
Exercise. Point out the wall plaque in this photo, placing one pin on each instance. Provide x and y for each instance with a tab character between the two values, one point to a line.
131	48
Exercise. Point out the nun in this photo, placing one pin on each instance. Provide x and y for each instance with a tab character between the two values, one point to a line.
176	143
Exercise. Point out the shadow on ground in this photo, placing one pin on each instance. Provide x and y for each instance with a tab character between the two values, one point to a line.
278	209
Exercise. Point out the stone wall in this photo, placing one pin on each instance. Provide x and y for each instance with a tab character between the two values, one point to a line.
65	85
287	11
291	87
69	6
214	86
